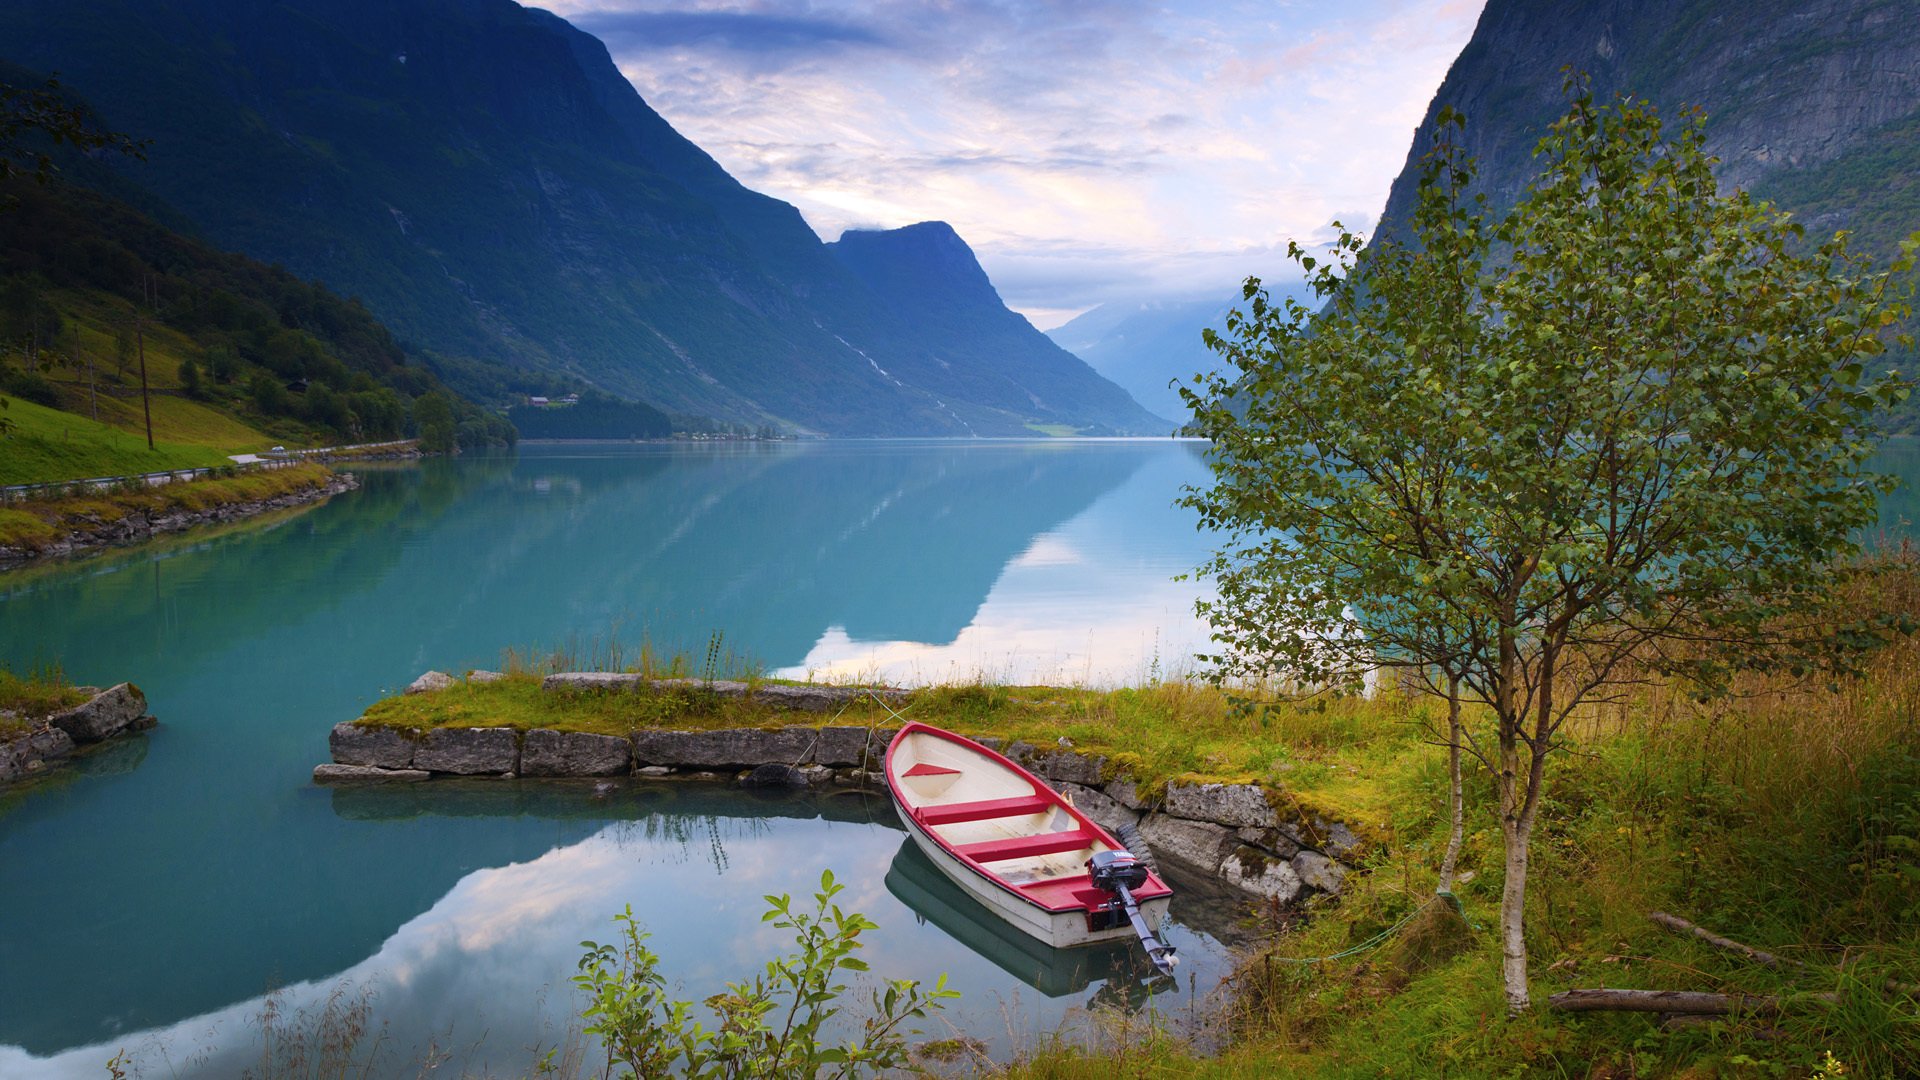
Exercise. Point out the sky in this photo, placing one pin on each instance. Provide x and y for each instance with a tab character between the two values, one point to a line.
1088	150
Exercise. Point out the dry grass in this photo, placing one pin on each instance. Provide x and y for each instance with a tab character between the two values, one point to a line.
37	524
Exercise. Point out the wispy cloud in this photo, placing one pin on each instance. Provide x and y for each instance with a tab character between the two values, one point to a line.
1087	151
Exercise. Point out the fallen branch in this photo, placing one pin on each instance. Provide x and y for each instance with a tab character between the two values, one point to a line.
1679	1002
1681	926
1759	956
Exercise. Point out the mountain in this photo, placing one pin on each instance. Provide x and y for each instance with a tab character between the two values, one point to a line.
483	177
1813	104
1145	345
990	355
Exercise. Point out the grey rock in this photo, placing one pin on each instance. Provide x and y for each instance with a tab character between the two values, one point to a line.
807	698
1094	803
333	773
1225	804
574	753
1278	843
30	753
726	688
1020	751
851	746
816	775
1197	844
1127	793
654	770
430	681
378	747
469	751
1319	872
1336	839
727	748
1069	767
105	715
484	676
1253	871
774	776
991	742
591	680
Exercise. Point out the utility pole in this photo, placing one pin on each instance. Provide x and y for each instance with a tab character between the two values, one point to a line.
140	335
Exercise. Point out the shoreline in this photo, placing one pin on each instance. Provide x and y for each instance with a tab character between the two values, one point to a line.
146	516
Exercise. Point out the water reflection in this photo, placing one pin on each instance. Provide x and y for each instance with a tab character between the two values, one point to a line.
482	970
215	870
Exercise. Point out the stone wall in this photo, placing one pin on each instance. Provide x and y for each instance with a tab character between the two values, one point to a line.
1229	833
107	713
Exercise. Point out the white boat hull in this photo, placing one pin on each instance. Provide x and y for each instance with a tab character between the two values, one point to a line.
1060	929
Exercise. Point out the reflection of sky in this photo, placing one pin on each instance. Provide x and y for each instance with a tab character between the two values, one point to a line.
1092	602
484	973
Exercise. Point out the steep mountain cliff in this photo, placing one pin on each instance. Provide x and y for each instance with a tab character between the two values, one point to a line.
1813	104
483	177
990	356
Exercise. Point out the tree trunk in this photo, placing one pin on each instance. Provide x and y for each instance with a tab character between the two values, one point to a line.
1517	831
1456	799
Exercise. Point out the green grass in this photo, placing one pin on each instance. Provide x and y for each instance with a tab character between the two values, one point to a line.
32	696
37	523
49	445
1786	815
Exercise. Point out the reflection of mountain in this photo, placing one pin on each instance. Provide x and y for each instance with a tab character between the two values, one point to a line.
215	869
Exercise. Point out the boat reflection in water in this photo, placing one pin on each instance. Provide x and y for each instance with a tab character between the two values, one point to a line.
1128	980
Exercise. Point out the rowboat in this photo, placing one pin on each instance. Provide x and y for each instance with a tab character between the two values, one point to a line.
1021	848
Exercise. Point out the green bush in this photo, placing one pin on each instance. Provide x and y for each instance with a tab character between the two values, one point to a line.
770	1027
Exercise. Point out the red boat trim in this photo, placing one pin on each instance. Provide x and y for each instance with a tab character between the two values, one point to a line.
983	810
972	855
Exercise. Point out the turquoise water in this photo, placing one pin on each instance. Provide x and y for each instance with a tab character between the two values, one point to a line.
157	893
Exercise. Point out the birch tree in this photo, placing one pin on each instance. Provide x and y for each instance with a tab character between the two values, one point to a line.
1622	428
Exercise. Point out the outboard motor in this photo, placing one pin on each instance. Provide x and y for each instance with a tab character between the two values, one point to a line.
1119	873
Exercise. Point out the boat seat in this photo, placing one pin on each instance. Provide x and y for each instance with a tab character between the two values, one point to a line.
1022	847
982	809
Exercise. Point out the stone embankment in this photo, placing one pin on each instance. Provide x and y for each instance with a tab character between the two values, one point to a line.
96	532
114	711
1236	835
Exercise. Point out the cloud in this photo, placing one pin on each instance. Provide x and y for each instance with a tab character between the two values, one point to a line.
1088	152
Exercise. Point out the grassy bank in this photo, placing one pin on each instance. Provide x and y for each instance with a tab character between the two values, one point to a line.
36	694
1786	816
38	524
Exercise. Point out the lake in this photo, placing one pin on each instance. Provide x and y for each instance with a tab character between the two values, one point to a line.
159	891
167	896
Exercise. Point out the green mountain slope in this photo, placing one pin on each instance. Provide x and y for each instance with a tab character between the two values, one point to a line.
239	355
486	180
1814	104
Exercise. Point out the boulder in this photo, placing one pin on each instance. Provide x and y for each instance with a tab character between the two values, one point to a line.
484	676
106	714
1224	804
816	775
364	774
430	681
574	753
851	746
654	771
1254	871
1094	803
378	747
1127	793
1277	843
774	776
469	751
726	748
1319	872
592	680
1069	767
1197	844
27	754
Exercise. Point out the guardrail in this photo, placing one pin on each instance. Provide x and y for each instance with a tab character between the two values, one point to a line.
267	460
